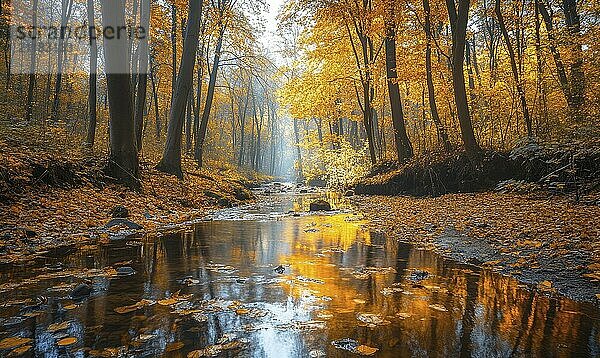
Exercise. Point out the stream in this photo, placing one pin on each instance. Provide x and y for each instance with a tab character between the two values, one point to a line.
274	280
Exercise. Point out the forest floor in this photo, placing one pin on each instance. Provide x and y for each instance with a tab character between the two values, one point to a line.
54	198
549	241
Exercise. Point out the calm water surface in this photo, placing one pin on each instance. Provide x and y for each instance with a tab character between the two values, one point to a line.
261	282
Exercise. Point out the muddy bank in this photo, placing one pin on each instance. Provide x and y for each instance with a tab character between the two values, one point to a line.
48	201
559	168
553	245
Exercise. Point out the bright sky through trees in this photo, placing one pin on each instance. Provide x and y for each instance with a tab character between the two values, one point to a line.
270	39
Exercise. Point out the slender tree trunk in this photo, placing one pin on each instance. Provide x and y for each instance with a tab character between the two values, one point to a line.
576	68
142	86
32	63
199	81
210	94
541	88
91	133
574	98
171	161
173	51
458	22
243	124
515	71
123	161
298	150
441	128
156	109
64	18
403	147
188	121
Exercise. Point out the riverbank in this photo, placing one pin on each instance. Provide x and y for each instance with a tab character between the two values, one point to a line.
51	201
551	243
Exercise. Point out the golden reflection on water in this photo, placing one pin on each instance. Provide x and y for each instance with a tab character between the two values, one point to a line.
338	281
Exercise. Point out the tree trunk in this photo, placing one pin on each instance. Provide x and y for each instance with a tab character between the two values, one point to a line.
212	82
198	103
298	150
515	71
441	129
171	161
403	147
173	51
156	109
574	96
33	56
140	101
243	124
576	67
188	121
458	22
64	18
123	161
91	133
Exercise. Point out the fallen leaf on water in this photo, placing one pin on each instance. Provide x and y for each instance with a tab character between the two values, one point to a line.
346	344
366	350
317	353
324	315
12	342
371	319
391	290
66	341
344	310
171	347
19	351
403	315
54	327
545	285
302	325
216	349
359	301
70	307
438	307
134	307
167	301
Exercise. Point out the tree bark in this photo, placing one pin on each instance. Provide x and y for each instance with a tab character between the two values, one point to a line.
155	95
212	82
123	160
441	129
91	133
173	50
64	18
140	101
199	80
515	71
171	161
574	90
32	63
458	24
576	67
403	147
298	150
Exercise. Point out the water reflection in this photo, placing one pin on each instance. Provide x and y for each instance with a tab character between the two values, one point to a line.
217	284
